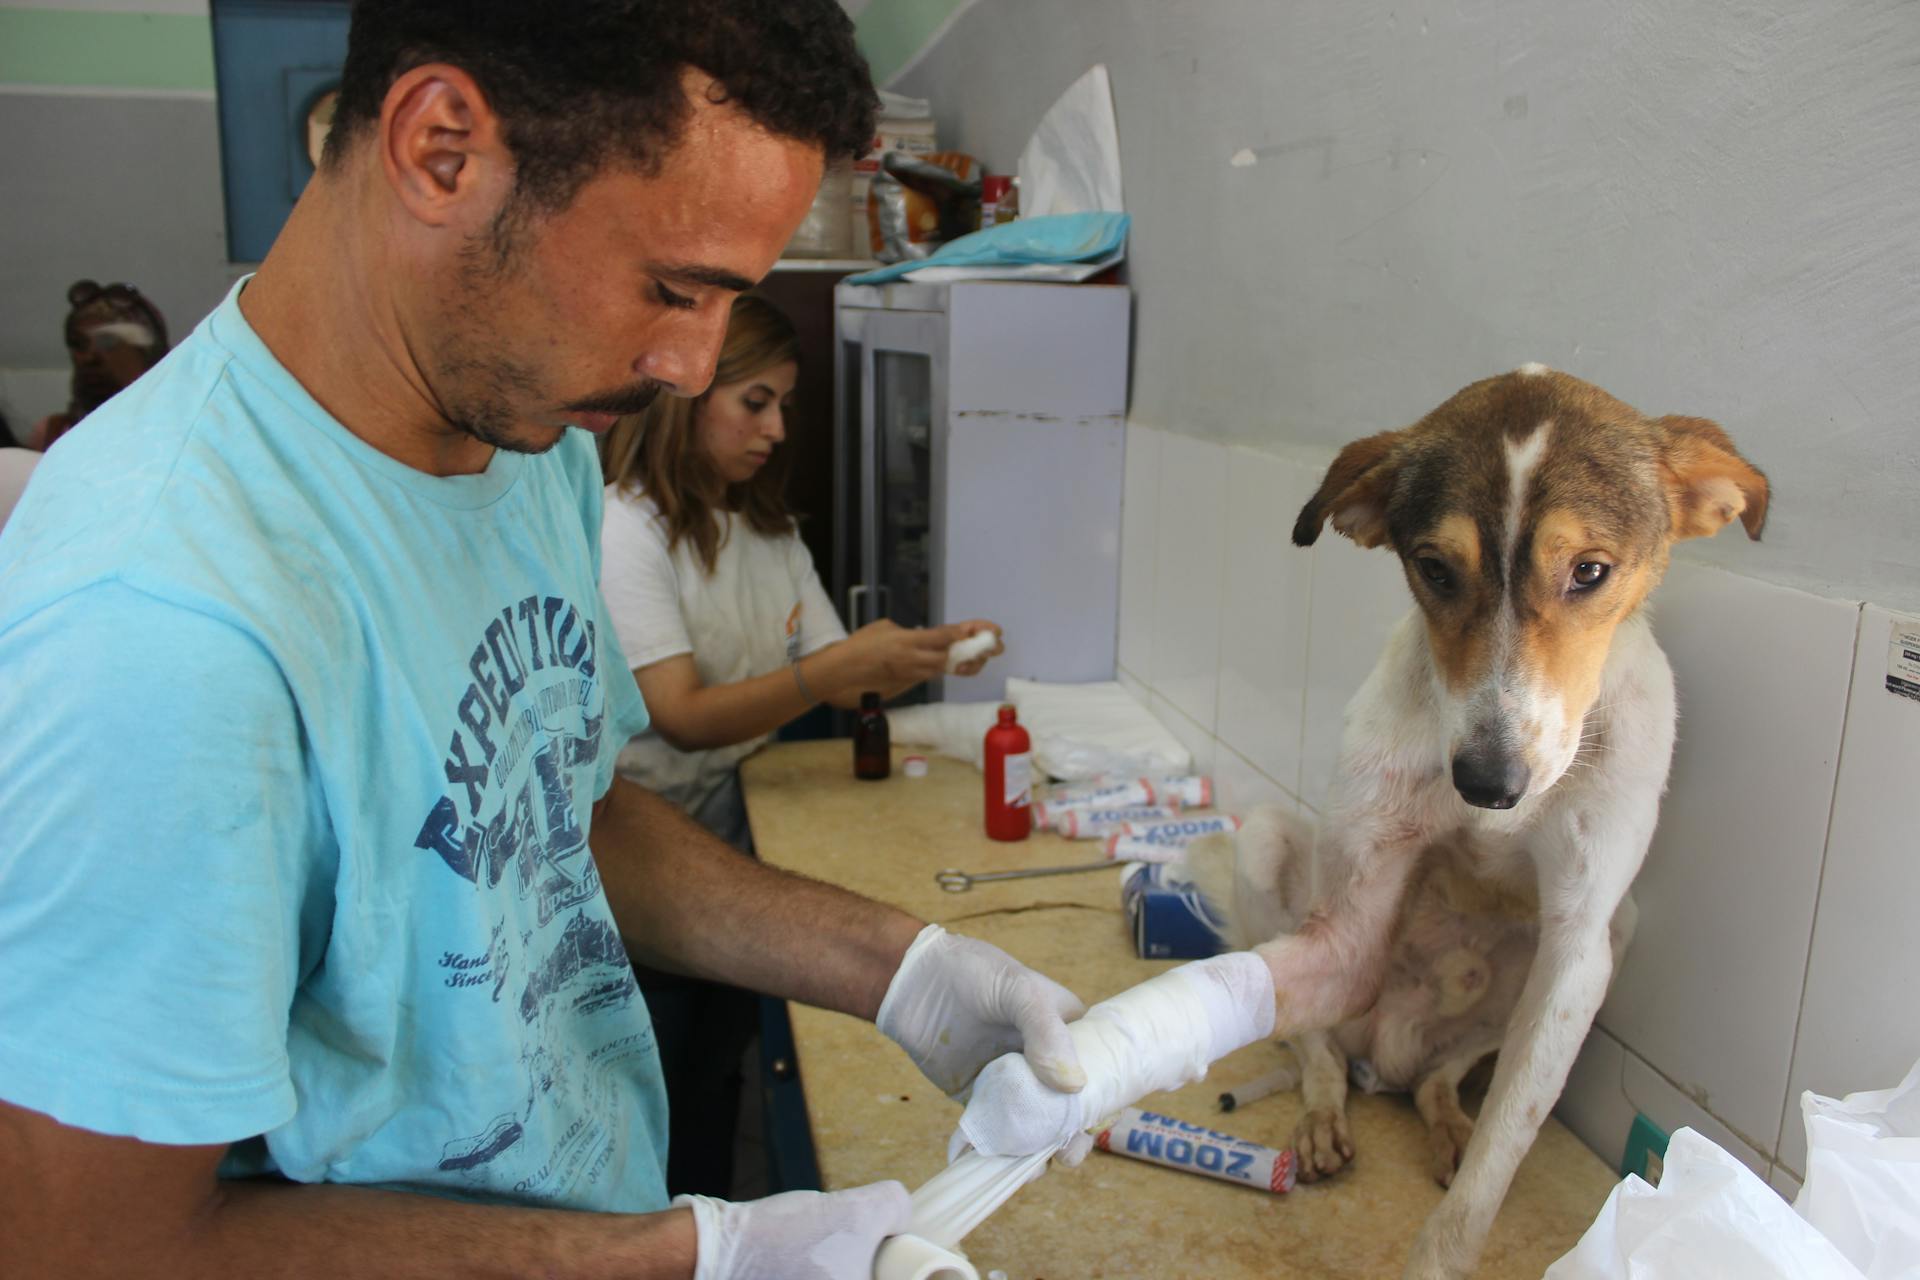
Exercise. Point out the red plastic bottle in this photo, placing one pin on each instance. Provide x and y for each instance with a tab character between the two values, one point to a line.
1009	766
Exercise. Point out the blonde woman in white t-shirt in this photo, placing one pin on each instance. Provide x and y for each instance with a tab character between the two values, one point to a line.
731	635
714	596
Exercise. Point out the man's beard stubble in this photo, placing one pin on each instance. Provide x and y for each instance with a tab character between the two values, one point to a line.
482	387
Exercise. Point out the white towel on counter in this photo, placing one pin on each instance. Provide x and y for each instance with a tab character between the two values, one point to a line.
1079	730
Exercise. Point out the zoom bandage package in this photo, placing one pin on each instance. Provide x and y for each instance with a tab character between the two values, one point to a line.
1098	824
1119	795
1159	1139
1175	832
1194	791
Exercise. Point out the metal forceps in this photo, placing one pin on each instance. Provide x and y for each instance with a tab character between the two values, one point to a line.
954	881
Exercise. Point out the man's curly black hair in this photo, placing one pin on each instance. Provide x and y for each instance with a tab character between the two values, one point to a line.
584	82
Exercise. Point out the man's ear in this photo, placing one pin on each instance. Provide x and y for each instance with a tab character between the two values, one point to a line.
440	142
1353	496
1708	483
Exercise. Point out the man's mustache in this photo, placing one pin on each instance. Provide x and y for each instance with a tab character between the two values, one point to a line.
618	403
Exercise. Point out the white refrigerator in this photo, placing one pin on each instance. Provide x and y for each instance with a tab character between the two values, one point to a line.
979	447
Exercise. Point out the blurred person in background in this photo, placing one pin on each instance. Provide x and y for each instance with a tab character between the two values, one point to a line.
114	334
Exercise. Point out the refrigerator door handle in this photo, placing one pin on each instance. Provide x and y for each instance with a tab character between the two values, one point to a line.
854	595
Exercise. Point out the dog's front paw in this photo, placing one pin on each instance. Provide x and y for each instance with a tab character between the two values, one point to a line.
1322	1144
1446	1143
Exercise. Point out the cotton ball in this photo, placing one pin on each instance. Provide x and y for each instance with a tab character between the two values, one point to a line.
977	645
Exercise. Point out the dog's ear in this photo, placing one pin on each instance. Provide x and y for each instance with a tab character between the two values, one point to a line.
1354	493
1708	482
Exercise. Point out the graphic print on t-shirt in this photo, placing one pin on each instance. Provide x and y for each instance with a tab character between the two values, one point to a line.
793	634
520	766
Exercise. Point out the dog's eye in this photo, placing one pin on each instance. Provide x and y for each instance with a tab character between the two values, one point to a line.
1589	574
1435	571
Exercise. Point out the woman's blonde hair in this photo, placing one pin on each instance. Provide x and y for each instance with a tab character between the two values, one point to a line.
657	452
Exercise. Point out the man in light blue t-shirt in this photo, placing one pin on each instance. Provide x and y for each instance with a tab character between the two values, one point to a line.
317	888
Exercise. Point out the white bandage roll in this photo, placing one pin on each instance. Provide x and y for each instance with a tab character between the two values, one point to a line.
911	1257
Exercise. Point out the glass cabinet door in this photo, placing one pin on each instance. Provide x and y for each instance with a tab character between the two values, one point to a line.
903	485
891	404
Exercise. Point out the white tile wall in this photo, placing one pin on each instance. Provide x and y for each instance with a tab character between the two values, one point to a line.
1192	736
1239	786
1594	1104
1139	507
1189	566
1710	988
1861	1026
1249	649
1655	1097
1263	616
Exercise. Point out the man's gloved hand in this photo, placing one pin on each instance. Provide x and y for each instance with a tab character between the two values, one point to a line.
1158	1035
955	1004
1013	1112
799	1235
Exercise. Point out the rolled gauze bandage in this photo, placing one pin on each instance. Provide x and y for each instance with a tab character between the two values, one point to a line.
977	645
912	1257
1159	1035
946	1207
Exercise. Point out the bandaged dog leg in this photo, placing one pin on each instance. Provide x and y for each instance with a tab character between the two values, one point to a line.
1159	1035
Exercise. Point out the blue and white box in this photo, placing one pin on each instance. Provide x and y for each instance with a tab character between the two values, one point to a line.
1167	916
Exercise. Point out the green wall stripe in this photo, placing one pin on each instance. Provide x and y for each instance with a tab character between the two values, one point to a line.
69	48
63	47
890	32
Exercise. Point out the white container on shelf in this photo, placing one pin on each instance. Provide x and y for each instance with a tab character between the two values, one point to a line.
825	231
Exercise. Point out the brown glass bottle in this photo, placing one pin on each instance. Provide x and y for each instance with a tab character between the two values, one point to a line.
872	753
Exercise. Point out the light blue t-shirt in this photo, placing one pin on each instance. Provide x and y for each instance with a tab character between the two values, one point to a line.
298	756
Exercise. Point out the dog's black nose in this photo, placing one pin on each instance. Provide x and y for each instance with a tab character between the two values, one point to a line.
1490	779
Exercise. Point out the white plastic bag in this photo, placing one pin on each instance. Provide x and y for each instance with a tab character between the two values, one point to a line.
1709	1219
1863	1177
1071	164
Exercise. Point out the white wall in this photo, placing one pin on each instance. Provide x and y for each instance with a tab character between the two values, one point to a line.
1705	207
1345	211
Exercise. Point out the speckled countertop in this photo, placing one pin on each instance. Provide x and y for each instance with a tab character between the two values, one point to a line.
874	1116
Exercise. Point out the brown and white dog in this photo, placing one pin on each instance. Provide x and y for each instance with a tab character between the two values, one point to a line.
1500	770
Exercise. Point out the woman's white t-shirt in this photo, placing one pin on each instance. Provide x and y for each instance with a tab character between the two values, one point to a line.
760	609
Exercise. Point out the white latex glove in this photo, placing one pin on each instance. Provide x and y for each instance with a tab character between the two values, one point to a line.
1159	1035
798	1235
955	1004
